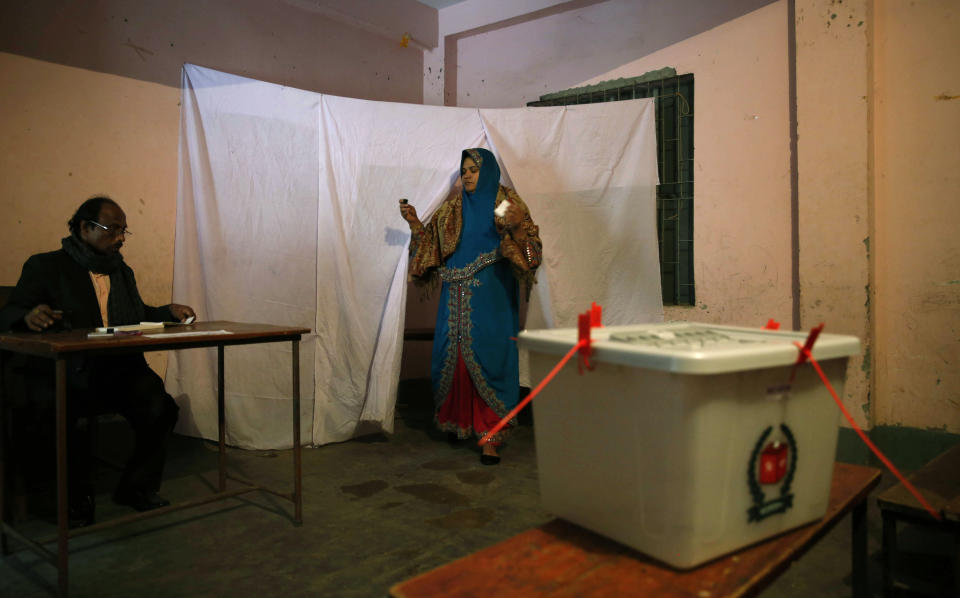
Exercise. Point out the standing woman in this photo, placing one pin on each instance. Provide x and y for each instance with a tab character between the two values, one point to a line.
482	259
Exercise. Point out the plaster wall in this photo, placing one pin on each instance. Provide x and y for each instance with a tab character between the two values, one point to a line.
465	16
916	247
90	93
833	99
499	58
742	249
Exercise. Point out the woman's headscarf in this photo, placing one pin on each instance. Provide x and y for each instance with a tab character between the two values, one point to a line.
479	233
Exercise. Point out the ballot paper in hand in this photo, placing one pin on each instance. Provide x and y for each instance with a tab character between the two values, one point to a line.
501	210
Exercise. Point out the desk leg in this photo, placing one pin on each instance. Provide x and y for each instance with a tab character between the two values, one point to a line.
221	422
859	548
889	550
62	490
297	466
4	450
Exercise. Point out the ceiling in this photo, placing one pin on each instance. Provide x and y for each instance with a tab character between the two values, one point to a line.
438	4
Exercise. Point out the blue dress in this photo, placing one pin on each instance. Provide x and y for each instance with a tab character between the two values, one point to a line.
479	266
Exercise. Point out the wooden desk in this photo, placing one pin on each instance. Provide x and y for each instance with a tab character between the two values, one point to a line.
59	345
562	559
939	483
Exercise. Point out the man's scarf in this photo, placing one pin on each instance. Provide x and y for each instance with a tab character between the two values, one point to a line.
124	305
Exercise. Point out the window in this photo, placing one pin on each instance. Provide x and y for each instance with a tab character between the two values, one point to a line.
674	111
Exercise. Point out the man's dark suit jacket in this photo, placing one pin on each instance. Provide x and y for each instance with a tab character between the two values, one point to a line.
57	280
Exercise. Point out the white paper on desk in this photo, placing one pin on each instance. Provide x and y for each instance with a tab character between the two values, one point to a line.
130	327
194	333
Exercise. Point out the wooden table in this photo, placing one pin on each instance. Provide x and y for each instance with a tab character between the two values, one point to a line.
939	483
562	559
60	345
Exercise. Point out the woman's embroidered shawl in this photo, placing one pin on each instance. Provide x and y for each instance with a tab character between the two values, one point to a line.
432	244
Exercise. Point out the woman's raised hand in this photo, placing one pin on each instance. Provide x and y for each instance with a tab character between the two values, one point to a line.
409	213
512	217
507	217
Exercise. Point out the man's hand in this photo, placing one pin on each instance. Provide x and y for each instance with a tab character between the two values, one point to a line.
181	312
41	317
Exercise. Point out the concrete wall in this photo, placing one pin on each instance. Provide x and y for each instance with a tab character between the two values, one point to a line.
742	245
90	93
915	247
502	54
833	99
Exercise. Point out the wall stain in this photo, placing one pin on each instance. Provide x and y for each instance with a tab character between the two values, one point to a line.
944	96
365	489
477	478
390	505
466	519
940	300
435	494
140	50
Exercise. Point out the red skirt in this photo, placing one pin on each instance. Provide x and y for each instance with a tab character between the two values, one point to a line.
464	411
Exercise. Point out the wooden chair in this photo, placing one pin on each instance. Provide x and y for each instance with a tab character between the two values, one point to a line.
10	478
12	474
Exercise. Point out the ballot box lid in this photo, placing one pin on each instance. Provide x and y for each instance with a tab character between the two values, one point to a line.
691	348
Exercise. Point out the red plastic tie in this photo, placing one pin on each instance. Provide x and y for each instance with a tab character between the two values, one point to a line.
486	437
596	315
805	354
583	341
772	325
805	350
808	345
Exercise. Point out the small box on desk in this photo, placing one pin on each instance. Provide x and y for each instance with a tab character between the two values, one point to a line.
687	441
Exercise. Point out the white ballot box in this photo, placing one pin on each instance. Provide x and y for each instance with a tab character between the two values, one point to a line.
687	441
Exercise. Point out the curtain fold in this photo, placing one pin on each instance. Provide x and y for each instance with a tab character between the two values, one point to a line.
288	214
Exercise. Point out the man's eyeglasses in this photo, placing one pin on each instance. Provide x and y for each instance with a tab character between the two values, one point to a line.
113	231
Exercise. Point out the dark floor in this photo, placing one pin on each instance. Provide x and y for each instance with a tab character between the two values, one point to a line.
376	511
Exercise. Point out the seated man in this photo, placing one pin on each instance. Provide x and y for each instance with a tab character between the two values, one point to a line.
86	284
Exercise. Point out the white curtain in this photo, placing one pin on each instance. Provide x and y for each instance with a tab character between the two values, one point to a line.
287	214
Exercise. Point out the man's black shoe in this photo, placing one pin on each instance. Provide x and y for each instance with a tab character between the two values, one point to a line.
80	511
140	500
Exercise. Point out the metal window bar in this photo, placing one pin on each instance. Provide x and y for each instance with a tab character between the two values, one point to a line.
673	100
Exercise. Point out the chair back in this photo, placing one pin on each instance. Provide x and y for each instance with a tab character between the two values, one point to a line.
5	293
